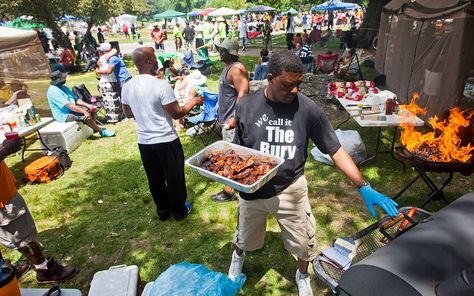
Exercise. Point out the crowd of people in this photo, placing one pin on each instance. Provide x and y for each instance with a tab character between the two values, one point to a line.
278	120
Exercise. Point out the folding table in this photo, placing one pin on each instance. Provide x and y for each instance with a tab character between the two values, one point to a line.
29	130
371	118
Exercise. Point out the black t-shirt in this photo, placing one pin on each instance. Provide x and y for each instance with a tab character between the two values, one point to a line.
282	130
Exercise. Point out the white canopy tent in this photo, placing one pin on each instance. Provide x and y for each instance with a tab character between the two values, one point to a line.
127	19
224	11
21	55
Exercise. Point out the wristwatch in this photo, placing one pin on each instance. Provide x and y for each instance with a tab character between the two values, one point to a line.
363	183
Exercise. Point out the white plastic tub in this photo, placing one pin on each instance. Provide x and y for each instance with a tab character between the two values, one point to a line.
121	280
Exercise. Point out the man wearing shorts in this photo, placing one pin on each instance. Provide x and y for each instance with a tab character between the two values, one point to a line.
17	228
233	85
66	107
280	121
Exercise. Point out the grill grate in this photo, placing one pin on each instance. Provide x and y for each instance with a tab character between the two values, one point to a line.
371	239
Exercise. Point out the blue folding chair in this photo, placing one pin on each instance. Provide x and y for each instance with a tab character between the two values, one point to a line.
206	121
261	71
188	61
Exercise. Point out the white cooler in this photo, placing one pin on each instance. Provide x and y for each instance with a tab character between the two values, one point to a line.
69	135
41	292
121	280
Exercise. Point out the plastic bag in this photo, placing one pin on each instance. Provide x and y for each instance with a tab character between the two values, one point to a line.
350	141
186	278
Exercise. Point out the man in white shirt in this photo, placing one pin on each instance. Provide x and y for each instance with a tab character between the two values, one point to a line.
243	30
152	103
290	31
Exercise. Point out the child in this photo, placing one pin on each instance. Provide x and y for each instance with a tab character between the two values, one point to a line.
306	39
263	56
297	39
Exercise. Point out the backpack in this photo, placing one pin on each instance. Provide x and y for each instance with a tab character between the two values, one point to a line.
64	160
44	169
82	93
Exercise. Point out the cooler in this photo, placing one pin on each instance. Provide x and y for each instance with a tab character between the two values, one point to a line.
69	135
118	280
41	292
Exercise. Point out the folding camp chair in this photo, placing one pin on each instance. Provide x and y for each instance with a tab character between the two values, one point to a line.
206	121
261	71
188	61
82	93
203	57
327	62
344	73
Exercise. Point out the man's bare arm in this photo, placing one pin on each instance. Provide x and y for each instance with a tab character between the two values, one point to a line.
176	111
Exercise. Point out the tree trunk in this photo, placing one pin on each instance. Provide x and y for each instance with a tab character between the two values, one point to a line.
370	26
59	35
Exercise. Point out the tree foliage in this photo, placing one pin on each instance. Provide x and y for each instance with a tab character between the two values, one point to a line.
49	11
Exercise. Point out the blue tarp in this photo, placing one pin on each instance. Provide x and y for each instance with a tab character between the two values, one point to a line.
335	5
185	278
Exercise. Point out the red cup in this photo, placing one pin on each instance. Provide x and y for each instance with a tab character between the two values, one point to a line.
11	135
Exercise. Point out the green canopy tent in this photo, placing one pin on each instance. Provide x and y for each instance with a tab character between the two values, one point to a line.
24	24
292	11
169	14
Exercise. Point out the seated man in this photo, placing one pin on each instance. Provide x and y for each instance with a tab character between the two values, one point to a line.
345	65
66	107
18	230
306	56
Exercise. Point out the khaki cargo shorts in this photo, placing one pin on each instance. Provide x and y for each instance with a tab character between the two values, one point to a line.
17	227
293	213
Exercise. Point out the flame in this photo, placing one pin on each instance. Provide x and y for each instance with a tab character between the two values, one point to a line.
443	140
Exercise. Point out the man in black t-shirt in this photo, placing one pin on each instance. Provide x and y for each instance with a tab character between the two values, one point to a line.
280	121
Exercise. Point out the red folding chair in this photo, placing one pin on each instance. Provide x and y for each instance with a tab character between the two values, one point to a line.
327	62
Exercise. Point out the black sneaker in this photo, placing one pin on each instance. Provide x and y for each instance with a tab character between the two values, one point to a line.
164	215
222	197
188	211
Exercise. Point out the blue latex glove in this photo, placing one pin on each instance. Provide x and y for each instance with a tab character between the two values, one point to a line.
373	198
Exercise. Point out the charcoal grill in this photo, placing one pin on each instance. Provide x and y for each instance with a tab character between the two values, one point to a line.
423	166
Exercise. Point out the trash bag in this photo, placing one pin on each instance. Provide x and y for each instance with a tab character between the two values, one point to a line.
350	141
186	278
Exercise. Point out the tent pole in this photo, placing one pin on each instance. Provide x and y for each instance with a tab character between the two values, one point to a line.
414	57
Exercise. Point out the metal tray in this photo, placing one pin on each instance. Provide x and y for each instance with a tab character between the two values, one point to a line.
196	160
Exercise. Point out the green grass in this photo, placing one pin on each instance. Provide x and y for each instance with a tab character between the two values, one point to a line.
100	212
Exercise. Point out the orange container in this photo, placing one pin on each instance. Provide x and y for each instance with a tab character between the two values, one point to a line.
8	283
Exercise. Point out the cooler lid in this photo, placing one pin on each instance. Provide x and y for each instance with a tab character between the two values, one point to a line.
58	127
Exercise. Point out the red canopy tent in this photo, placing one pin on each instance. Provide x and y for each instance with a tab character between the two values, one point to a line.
206	11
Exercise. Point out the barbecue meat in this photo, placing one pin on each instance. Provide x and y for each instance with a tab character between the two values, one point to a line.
243	169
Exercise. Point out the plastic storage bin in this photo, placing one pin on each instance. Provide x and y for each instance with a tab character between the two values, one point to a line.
69	135
121	280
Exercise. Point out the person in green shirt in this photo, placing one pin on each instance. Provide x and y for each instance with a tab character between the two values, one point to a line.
178	37
222	29
267	35
207	33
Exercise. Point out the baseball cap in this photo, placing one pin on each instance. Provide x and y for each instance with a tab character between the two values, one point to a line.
231	45
58	77
105	46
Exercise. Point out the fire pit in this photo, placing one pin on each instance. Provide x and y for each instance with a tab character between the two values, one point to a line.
441	150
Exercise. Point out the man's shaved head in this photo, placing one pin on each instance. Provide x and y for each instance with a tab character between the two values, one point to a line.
145	60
